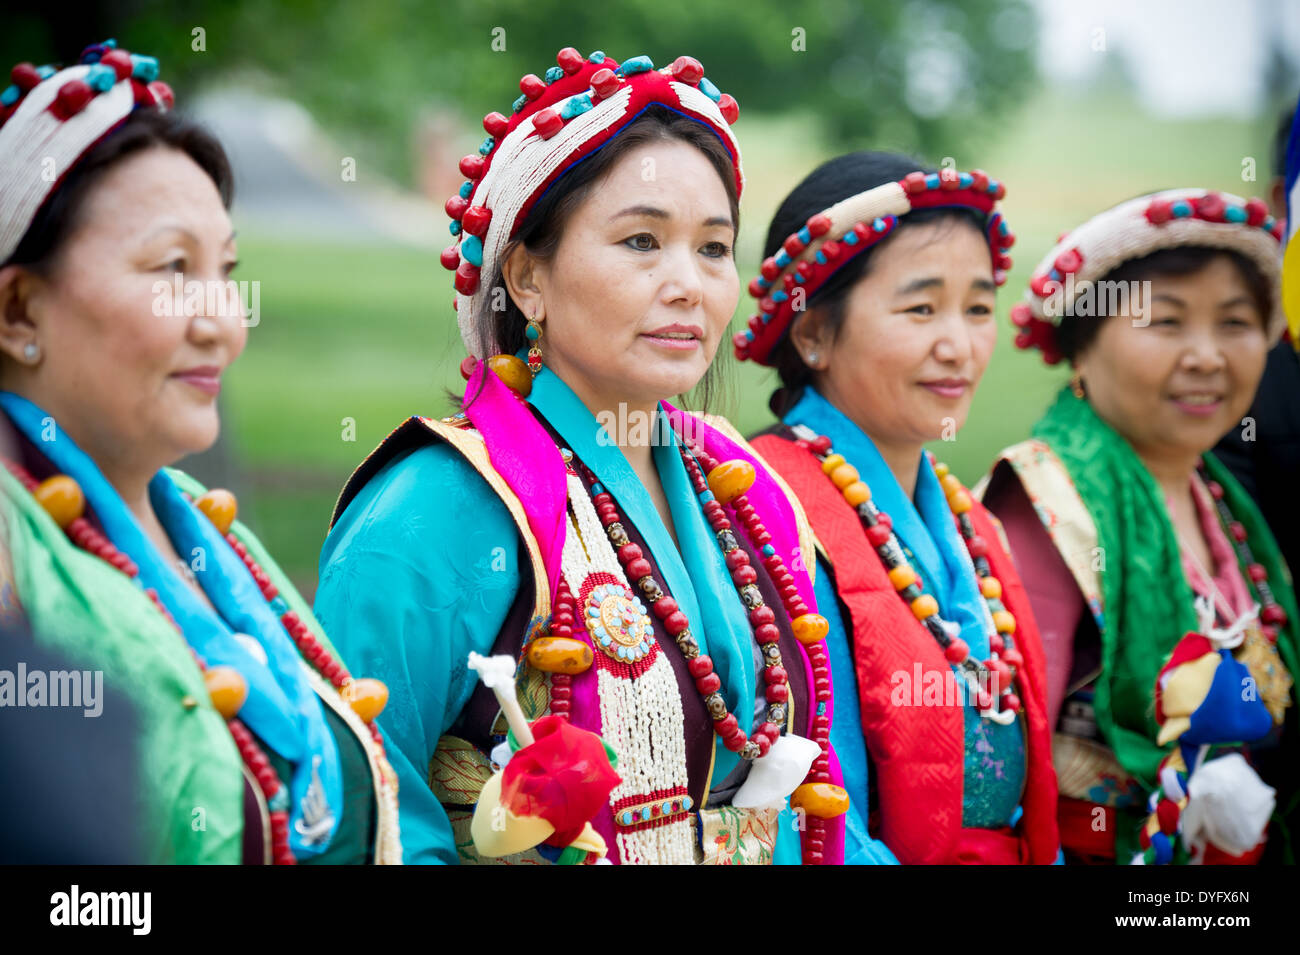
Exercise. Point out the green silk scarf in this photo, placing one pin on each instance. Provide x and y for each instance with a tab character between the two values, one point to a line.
1147	603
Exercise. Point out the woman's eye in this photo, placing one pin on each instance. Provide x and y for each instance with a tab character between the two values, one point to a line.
642	242
920	310
716	250
175	265
1237	323
1164	322
230	267
981	310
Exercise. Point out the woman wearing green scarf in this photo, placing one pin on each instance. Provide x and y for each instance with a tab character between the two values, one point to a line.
117	321
1167	614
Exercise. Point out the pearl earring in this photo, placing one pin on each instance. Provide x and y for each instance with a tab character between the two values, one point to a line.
31	351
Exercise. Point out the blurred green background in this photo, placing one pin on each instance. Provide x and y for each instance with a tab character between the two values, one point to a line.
356	330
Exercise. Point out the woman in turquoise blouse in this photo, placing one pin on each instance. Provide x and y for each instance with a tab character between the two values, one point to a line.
564	517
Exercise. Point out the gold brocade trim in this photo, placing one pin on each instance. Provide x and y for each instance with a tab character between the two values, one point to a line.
732	836
388	837
1047	484
1272	680
458	771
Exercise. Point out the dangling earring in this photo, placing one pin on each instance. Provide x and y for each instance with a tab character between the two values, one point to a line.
534	333
1076	385
31	352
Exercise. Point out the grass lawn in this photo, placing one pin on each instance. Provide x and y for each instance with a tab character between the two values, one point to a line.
353	338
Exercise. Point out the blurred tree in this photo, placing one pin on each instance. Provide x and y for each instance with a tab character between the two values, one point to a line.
906	75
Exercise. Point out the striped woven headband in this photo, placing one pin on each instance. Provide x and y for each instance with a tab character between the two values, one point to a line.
50	118
558	120
832	238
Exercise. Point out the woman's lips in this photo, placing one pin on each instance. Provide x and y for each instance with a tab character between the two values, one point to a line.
947	387
1199	406
206	380
676	337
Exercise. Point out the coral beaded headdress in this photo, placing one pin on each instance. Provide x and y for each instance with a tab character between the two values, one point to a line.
558	121
830	239
50	118
1136	228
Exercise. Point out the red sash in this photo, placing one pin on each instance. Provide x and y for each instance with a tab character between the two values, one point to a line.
918	751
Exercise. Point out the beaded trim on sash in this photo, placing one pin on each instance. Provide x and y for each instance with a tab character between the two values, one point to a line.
640	704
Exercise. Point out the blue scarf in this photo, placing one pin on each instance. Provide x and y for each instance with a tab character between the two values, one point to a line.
924	523
281	708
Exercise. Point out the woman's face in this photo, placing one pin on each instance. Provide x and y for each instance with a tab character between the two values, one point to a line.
1176	385
122	367
916	337
643	283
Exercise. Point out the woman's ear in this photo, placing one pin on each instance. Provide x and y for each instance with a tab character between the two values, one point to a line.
18	331
812	338
523	275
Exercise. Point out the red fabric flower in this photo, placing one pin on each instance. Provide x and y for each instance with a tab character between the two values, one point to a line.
564	777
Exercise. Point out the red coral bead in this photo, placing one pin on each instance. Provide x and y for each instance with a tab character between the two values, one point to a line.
1211	207
456	206
767	633
467	278
120	61
1238	531
775	675
1011	702
636	569
532	85
496	125
1257	573
743	576
471	166
675	623
700	667
769	269
569	60
956	651
793	245
777	693
24	76
819	225
1068	261
467	366
664	607
1160	211
1216	490
979	180
762	616
605	83
1256	211
831	249
914	182
687	69
726	726
756	290
72	98
709	683
547	122
450	257
1273	614
949	179
878	535
977	546
476	220
729	108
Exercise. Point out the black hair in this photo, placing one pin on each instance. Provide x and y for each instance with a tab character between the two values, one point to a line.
832	181
143	129
543	227
1076	333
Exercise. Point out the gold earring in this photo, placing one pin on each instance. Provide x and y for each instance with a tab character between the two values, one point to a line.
1076	385
534	333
